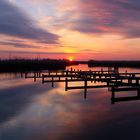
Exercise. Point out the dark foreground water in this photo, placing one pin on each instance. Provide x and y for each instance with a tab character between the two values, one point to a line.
32	111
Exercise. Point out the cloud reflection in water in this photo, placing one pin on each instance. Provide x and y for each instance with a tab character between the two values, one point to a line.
53	114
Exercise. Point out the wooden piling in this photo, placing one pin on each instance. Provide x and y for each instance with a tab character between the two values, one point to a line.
137	81
126	73
26	74
66	84
35	74
138	92
42	78
21	74
59	78
52	81
85	88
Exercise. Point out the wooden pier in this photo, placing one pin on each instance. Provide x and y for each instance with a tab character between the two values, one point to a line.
112	79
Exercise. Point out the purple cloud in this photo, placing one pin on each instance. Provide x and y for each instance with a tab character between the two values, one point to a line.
105	17
17	44
14	22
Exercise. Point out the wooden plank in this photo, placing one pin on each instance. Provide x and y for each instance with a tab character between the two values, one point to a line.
126	89
83	87
33	76
122	99
48	81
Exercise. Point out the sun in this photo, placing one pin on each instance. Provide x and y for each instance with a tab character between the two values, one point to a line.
70	59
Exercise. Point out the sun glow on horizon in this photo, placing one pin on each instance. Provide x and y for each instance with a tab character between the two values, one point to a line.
70	59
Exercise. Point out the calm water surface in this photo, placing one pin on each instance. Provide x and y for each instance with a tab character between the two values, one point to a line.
35	111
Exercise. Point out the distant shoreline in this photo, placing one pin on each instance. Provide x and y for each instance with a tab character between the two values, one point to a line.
111	63
23	65
115	63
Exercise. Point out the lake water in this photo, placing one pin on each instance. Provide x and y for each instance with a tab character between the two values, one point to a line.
35	111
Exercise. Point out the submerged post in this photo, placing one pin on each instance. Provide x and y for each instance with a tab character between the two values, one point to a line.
113	95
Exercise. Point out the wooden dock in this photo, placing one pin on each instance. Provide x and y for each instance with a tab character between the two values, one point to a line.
114	80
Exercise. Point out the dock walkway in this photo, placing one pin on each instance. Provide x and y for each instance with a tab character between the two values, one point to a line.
113	80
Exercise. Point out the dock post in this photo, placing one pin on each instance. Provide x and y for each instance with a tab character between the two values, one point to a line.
66	73
21	74
26	75
35	74
42	78
66	84
95	78
39	74
137	81
130	81
108	84
138	93
85	89
126	73
102	70
52	81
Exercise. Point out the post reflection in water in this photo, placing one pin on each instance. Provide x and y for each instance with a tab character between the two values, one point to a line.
36	111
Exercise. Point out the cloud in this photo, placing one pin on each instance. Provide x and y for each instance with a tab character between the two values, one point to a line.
14	22
121	17
36	52
17	44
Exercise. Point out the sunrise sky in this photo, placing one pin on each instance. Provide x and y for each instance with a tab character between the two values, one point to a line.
81	29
